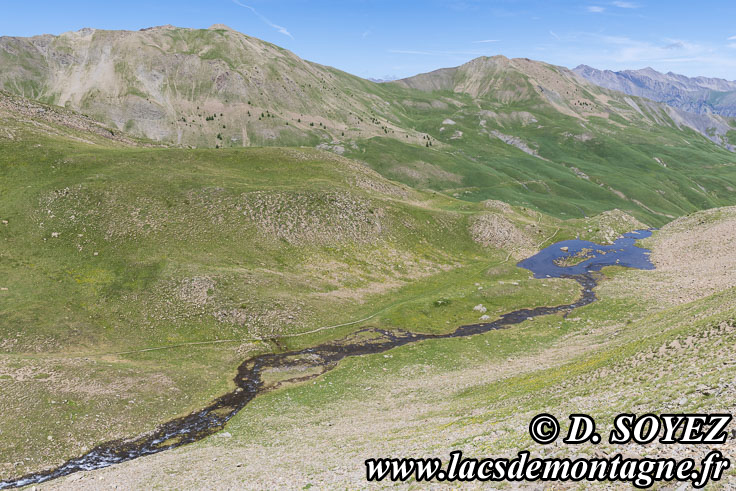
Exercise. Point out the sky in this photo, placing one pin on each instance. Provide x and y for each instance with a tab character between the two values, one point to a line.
389	39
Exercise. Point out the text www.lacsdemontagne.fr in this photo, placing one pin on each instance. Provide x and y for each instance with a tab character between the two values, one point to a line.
642	473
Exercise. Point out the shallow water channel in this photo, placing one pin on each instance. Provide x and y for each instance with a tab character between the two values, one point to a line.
573	259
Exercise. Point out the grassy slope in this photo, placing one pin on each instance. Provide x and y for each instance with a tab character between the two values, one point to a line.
111	249
625	353
618	159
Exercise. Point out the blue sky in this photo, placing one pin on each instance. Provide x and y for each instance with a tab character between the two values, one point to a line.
377	38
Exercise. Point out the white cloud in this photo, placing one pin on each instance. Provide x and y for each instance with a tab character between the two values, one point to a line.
596	9
554	35
279	28
626	50
626	5
487	41
732	38
620	52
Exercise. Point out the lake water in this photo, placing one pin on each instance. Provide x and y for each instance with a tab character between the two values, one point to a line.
623	252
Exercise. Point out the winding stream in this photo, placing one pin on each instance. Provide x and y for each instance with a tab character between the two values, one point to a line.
573	259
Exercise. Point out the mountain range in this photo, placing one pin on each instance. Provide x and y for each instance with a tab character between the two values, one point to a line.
701	95
518	130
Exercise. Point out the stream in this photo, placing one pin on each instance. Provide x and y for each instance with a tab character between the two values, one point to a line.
573	259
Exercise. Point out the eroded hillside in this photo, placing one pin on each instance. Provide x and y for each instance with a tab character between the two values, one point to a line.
204	87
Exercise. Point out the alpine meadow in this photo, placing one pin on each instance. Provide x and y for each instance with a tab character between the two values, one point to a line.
223	266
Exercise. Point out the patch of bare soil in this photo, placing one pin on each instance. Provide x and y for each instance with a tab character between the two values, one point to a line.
516	142
494	204
197	290
695	256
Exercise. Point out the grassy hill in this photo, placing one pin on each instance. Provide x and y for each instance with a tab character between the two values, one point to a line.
135	278
530	133
645	347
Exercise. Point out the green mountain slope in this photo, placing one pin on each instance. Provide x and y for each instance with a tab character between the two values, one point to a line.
531	133
134	278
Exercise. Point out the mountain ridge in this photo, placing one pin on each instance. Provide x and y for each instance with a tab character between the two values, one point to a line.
165	82
701	95
490	76
516	130
219	87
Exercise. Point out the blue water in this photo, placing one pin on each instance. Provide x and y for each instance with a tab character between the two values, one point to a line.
623	252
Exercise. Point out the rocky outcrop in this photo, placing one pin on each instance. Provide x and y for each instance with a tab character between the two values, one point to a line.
493	230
